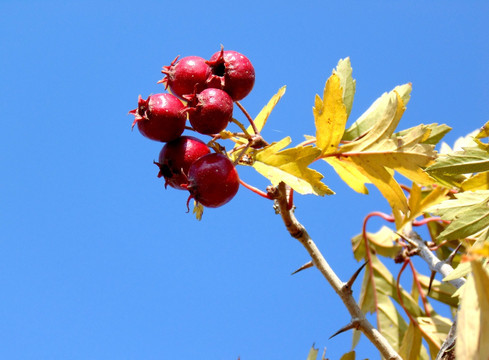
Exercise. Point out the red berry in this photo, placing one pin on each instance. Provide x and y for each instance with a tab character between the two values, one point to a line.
177	156
186	75
210	111
231	72
160	117
213	180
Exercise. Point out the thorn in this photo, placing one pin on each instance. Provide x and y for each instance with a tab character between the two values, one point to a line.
452	255
304	267
353	325
350	282
432	277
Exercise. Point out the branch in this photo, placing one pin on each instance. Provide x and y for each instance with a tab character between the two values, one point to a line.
444	268
435	264
297	231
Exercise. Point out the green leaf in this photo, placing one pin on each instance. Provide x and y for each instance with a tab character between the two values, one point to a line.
469	160
291	167
347	83
330	116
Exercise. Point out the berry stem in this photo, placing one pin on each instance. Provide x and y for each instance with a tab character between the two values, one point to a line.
255	190
241	126
250	119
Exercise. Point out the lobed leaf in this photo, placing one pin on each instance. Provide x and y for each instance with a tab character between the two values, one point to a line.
467	161
330	116
291	167
468	213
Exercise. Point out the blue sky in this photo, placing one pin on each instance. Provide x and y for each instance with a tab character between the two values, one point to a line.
98	261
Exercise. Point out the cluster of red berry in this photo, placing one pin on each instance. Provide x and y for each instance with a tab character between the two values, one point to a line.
204	91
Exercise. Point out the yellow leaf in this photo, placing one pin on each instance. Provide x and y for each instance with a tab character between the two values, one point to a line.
481	280
198	210
387	185
262	117
349	173
330	116
419	203
411	343
434	330
479	181
291	167
348	356
468	323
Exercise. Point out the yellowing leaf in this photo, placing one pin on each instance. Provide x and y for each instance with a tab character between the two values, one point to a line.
262	117
347	83
349	173
330	116
377	111
291	167
313	354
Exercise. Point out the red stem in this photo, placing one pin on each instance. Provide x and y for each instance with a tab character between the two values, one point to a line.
428	220
369	257
420	289
250	119
255	190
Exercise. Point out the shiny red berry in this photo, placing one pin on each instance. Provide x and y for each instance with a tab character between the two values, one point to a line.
213	180
186	75
177	156
231	72
210	111
160	117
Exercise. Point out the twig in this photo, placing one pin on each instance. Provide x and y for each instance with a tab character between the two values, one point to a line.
297	231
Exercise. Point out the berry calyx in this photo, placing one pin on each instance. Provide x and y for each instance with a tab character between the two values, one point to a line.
186	75
232	72
210	111
160	117
213	180
176	157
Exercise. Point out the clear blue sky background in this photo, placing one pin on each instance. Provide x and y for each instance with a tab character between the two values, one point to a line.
98	261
